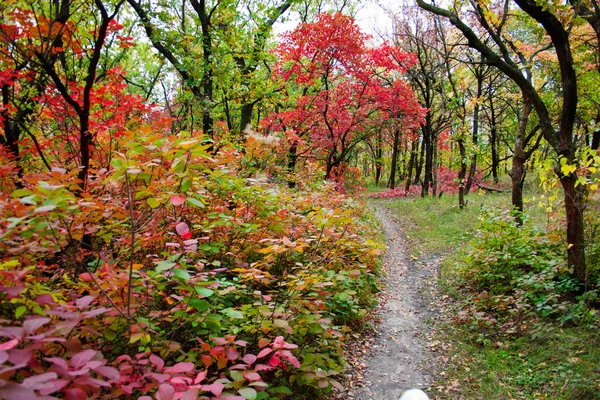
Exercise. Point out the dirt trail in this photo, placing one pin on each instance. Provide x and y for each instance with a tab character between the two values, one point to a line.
398	357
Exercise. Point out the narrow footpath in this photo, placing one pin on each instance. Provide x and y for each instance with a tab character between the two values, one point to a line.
397	357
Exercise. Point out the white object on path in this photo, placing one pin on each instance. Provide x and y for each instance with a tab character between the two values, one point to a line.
414	394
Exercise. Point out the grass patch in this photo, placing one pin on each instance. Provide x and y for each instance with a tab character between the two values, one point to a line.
545	361
437	225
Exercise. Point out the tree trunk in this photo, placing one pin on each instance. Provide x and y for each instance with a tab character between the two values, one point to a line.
517	173
574	206
420	164
291	167
378	159
428	145
475	136
462	173
411	165
246	117
392	182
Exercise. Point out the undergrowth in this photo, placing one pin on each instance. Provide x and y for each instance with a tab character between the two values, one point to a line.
174	277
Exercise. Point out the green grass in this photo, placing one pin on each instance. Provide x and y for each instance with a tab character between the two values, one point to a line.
549	362
437	225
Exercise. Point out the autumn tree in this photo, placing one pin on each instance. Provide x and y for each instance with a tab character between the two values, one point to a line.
559	134
341	86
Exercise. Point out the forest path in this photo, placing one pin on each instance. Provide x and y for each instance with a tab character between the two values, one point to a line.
397	357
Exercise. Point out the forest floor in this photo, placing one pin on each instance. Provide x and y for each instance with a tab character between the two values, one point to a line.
397	353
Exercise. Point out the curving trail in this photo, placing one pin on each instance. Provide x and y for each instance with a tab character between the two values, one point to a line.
398	357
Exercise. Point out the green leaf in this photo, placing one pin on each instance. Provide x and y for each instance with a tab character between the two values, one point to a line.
343	296
20	311
195	202
164	266
181	274
204	292
231	313
248	393
21	193
152	202
237	376
185	186
212	324
199	304
109	334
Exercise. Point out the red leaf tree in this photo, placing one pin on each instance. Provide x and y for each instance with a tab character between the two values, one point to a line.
339	91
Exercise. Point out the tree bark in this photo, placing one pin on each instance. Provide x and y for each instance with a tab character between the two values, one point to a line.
392	181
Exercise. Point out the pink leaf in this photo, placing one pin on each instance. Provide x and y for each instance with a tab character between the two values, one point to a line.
251	376
9	345
41	379
191	394
215	388
51	387
177	200
59	362
11	332
84	301
290	357
94	382
109	372
3	357
232	353
13	391
182	229
80	359
17	356
263	367
220	341
200	377
180	367
165	392
95	364
33	324
264	352
157	361
249	359
93	313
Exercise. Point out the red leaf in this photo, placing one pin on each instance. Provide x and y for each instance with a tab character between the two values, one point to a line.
109	372
9	345
177	200
86	277
274	361
75	394
16	356
180	367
